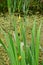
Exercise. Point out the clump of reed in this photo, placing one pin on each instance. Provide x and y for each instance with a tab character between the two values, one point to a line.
17	55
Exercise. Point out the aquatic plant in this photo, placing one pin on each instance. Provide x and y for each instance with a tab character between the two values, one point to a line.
18	55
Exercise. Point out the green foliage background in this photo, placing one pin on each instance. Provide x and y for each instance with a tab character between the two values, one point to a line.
33	5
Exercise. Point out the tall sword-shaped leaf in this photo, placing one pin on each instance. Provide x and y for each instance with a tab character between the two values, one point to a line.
14	23
33	42
9	49
37	45
9	6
